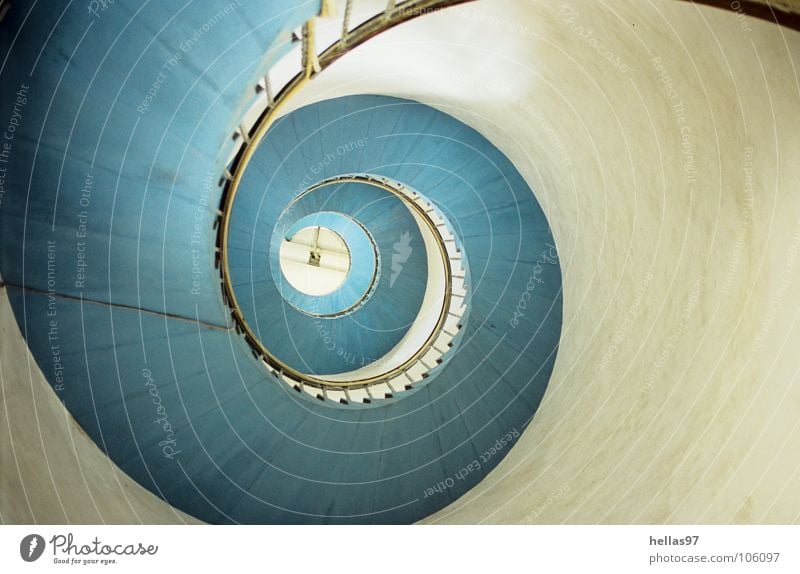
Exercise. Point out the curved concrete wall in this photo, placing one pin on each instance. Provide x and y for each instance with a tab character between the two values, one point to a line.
661	139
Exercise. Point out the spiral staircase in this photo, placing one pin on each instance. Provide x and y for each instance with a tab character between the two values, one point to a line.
176	168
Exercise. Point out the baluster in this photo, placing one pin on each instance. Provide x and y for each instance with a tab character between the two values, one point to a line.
348	8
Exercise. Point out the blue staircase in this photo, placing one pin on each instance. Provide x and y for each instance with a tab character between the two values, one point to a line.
138	342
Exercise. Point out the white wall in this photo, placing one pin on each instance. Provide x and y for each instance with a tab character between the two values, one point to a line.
675	394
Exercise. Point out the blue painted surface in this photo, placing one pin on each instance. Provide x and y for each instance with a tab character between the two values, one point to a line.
326	345
142	102
361	276
183	407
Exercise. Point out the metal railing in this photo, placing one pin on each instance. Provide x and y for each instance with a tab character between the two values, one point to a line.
438	340
247	138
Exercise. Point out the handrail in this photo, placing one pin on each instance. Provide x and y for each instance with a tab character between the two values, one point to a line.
313	64
321	381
